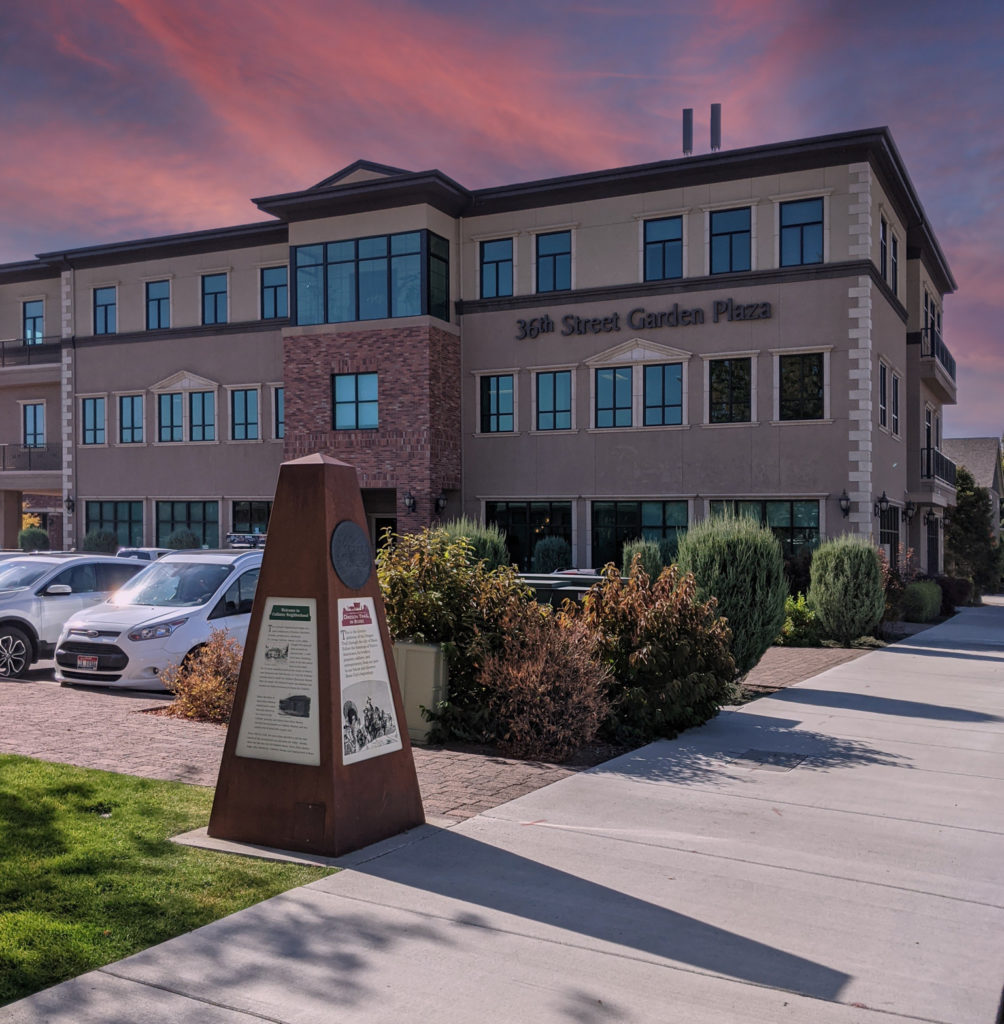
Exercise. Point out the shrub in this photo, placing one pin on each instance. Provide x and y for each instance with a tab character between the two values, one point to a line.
100	540
182	539
669	652
204	684
801	627
668	549
970	547
487	541
551	554
921	601
33	538
649	553
955	593
796	571
545	687
737	561
846	591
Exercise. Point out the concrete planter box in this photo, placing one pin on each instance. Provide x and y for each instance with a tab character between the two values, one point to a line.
422	674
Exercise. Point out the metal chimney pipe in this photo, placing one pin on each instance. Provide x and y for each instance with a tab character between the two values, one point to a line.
716	127
688	131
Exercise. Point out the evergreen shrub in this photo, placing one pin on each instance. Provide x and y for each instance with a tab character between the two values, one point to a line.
846	591
100	540
739	562
183	539
668	549
649	553
486	540
801	627
551	554
921	601
955	593
33	538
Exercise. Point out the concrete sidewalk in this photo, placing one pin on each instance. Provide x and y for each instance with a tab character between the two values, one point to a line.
829	854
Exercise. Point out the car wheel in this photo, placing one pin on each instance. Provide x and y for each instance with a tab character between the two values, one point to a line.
186	662
15	652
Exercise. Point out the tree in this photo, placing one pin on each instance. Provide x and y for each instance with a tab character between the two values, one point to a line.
969	535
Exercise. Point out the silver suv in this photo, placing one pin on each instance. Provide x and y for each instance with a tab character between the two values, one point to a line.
39	592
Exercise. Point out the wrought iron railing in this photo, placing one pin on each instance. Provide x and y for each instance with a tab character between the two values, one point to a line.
932	345
935	466
30	456
18	352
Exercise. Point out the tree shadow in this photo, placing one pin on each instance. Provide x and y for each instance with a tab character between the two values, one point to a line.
882	705
947	649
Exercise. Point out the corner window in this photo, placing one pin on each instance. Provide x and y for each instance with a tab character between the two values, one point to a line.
663	391
730	384
202	416
33	424
731	237
130	419
93	416
496	268
554	400
158	305
554	261
170	425
800	378
663	249
613	397
356	402
244	414
497	406
214	298
280	412
801	232
274	293
32	322
105	309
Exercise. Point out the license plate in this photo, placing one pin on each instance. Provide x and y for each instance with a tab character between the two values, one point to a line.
87	661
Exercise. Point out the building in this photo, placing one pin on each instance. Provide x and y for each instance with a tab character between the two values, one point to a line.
597	356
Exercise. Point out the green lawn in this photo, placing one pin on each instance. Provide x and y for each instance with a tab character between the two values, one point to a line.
88	876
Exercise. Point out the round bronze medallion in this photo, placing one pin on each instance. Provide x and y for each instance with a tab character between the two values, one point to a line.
351	554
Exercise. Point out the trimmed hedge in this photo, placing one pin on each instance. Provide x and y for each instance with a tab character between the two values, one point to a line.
487	541
921	601
551	554
649	553
846	591
33	538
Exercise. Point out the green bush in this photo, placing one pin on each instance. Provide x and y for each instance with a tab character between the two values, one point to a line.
649	553
921	601
846	591
100	540
668	549
551	554
955	593
669	652
739	562
801	627
183	539
33	538
487	541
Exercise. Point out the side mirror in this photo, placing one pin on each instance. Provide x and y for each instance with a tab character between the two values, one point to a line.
58	589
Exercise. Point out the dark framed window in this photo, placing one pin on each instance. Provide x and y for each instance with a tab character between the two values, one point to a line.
214	298
274	293
244	414
158	305
883	246
250	516
801	232
663	394
201	517
730	240
616	522
33	424
524	523
169	417
33	322
894	265
355	399
92	412
883	395
105	310
794	523
123	518
801	386
554	261
496	268
497	410
130	419
895	403
889	532
374	278
663	248
554	400
730	390
613	396
280	412
202	416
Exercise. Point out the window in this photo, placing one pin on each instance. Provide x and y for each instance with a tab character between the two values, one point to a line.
105	306
274	293
554	400
730	240
32	322
883	395
130	419
497	406
663	394
93	416
663	248
250	516
883	246
123	518
169	417
158	305
214	298
200	517
554	261
794	523
526	522
496	268
355	401
801	232
239	596
730	383
280	412
244	414
33	424
889	533
373	278
894	266
616	522
801	386
202	416
895	404
613	397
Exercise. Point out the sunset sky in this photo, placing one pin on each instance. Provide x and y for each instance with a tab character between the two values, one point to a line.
127	118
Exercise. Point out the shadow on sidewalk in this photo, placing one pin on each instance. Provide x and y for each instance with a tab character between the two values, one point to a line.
882	705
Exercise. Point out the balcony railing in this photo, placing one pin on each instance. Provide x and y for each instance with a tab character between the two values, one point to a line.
18	352
932	345
31	457
935	466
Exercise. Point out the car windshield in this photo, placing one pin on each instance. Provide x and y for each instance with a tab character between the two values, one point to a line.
173	584
17	574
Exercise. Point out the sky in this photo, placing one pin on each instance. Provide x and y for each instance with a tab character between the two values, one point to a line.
122	119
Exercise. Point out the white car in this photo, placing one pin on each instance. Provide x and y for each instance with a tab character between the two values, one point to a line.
164	614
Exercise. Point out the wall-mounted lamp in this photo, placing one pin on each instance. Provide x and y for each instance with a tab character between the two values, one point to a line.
69	504
882	505
930	516
441	502
409	501
845	503
909	511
